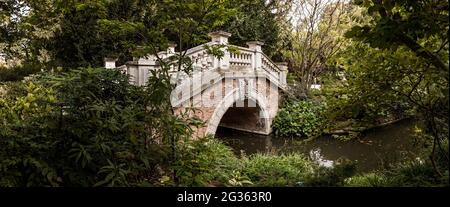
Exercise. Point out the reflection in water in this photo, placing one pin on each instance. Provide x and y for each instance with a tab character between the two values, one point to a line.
371	151
315	155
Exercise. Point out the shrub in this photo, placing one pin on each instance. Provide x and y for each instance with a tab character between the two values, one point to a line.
208	162
417	173
203	162
367	180
298	118
84	128
17	73
277	170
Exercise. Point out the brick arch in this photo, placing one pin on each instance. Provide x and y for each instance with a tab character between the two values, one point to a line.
229	99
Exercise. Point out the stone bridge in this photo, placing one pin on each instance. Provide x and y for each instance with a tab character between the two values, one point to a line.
239	90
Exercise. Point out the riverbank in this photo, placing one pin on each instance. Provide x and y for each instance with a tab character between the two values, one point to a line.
373	150
212	163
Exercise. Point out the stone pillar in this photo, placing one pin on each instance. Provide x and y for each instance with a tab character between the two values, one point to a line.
171	49
284	70
133	71
257	57
110	63
221	37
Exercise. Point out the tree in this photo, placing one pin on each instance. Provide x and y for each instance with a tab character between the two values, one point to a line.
316	36
25	24
259	20
95	29
422	70
408	23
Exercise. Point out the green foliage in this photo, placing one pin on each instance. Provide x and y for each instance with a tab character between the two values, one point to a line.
95	29
379	86
366	180
204	162
188	22
280	170
371	77
90	127
238	180
298	118
416	173
410	23
208	162
17	73
331	176
256	20
399	66
409	173
84	128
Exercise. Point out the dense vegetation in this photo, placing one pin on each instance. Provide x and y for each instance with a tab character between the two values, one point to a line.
88	127
66	122
299	118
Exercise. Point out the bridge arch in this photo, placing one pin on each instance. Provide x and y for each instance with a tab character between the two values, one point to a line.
228	101
250	63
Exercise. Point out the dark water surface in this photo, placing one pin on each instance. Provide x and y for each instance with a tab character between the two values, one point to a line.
371	150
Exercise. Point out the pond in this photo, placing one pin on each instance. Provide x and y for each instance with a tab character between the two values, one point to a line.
372	150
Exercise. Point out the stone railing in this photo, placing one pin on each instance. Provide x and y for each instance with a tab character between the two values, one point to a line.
201	59
246	58
269	66
242	59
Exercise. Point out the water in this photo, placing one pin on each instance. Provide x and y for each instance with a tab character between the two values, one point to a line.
370	151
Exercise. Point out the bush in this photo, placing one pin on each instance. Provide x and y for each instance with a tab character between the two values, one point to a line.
204	162
277	170
417	173
208	162
18	73
84	128
367	180
298	118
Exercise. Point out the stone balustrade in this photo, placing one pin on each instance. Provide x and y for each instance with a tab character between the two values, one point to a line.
249	58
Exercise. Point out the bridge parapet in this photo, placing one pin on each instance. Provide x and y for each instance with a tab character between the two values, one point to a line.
242	59
251	59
